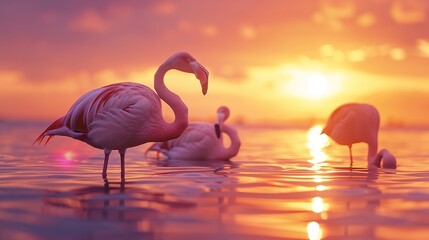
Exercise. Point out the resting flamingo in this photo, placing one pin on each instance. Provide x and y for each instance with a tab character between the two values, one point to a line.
202	141
124	115
354	123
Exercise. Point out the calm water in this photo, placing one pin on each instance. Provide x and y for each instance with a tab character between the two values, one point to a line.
284	184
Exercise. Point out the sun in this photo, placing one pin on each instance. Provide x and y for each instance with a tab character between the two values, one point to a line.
312	84
316	86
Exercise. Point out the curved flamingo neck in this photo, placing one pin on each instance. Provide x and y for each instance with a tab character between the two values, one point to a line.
372	151
175	129
232	150
377	159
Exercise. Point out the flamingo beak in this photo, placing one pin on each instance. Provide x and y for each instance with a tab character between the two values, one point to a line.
202	74
217	130
204	87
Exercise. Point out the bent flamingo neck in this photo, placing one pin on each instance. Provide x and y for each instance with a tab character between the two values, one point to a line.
232	150
174	129
372	151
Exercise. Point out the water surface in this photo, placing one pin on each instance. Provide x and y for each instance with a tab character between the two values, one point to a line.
285	183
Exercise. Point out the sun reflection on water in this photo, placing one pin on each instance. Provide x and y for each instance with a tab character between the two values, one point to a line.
316	142
318	206
314	231
69	155
65	158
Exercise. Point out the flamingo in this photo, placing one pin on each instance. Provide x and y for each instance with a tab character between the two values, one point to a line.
201	141
124	115
354	123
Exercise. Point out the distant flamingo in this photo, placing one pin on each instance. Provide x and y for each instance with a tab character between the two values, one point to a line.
202	141
124	115
354	123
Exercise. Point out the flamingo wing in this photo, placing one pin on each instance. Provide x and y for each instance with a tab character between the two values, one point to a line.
197	134
353	123
110	117
124	116
196	142
341	126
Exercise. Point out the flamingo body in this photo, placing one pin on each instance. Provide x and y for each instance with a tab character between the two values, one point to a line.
124	115
200	141
112	117
354	123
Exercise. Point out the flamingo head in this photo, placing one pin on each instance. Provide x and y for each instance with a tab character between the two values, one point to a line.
183	61
222	115
389	161
217	130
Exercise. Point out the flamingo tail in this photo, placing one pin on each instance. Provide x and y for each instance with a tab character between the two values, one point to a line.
55	125
158	147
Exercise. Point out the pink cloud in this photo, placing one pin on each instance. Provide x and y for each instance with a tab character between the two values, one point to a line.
91	21
165	8
409	11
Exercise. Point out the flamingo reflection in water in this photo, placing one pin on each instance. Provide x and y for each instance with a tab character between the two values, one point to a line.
117	201
124	115
354	123
202	141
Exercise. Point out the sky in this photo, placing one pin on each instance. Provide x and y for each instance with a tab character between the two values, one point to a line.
270	62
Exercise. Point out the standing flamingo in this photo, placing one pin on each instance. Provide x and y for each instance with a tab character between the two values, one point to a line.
124	115
202	141
354	123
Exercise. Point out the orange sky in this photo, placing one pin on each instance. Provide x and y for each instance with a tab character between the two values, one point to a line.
272	62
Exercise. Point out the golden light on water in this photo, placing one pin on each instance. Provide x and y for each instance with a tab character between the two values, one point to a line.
317	205
314	231
317	179
321	188
316	140
315	143
69	155
65	158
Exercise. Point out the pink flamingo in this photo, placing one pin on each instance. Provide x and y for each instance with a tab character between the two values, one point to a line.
124	115
201	141
354	123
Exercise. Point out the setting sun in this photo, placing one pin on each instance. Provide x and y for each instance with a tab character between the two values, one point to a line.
312	84
317	86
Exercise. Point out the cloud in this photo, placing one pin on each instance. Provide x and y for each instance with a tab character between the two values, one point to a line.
165	8
409	11
121	11
423	47
248	32
332	13
366	20
89	21
209	30
10	77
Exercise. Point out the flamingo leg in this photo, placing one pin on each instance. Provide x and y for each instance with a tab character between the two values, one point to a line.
106	161
351	156
122	153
